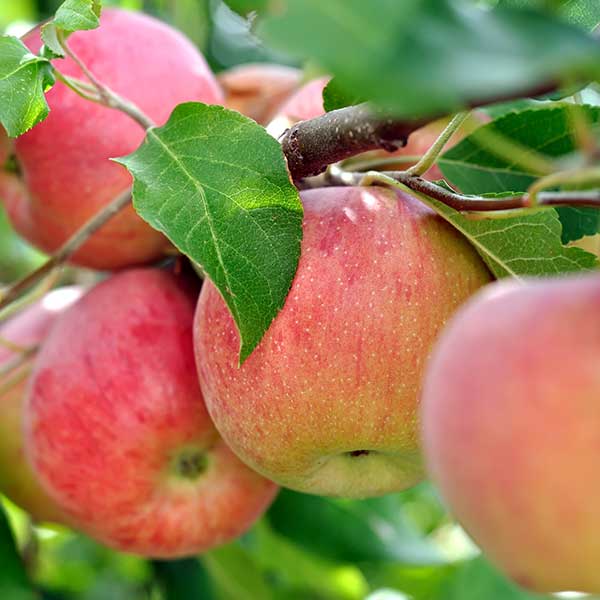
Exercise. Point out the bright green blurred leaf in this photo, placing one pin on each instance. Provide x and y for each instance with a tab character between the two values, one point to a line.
585	13
419	57
14	583
183	579
217	185
236	574
352	531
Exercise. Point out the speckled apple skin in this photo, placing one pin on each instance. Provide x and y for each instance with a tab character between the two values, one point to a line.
511	428
17	480
114	400
340	368
65	159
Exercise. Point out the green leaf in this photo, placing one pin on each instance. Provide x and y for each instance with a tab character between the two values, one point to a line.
14	583
72	15
245	7
216	184
183	579
578	222
23	80
584	13
335	97
351	531
525	245
474	168
477	579
236	573
407	54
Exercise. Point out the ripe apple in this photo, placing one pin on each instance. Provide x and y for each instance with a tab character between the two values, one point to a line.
64	161
117	430
511	428
28	328
327	402
257	90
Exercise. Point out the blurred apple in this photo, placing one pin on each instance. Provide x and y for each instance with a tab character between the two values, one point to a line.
511	428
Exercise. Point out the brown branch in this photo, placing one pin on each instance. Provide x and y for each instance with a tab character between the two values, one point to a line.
463	203
67	249
310	146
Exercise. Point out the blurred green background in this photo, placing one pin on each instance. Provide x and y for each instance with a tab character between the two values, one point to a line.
400	547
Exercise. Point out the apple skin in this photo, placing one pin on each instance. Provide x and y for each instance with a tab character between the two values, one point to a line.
117	430
17	480
65	159
511	428
257	90
339	371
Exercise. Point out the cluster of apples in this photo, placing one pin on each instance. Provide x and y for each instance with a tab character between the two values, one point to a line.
135	424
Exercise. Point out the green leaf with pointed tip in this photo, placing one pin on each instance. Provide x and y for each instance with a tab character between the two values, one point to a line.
216	184
424	57
14	583
24	78
72	15
528	244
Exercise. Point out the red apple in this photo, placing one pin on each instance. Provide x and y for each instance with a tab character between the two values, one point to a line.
117	430
28	328
511	428
65	160
257	90
327	402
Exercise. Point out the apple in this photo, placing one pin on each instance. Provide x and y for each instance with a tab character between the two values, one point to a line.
117	430
327	403
257	90
511	428
28	328
64	161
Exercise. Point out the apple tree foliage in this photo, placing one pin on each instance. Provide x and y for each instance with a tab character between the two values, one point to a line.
216	184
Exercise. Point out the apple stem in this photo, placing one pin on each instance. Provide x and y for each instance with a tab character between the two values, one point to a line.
429	158
460	202
104	95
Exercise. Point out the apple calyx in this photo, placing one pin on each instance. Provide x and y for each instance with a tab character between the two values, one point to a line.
190	463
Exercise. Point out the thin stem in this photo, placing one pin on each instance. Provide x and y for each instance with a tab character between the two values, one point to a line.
573	177
367	163
106	96
39	292
461	202
429	158
11	346
17	361
9	383
67	249
77	86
